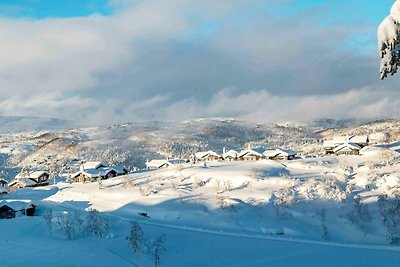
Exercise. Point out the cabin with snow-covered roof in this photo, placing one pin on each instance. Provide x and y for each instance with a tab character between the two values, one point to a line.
279	154
157	164
347	149
3	186
11	208
37	178
359	140
207	156
230	155
250	154
93	165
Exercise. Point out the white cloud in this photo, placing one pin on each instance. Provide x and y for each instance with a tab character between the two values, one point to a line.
138	64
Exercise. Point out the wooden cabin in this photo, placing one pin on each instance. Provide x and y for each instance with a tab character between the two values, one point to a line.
347	149
6	212
359	140
230	155
34	179
279	154
10	209
249	154
3	186
158	164
207	156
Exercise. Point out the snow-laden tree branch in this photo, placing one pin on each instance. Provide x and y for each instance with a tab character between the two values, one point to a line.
389	41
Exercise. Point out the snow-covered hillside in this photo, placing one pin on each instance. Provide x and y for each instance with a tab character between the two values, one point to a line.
132	144
229	213
240	213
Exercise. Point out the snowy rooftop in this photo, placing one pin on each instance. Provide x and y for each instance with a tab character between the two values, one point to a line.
157	163
93	165
200	155
277	152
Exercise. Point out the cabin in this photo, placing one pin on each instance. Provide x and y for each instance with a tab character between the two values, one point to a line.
92	170
359	140
230	155
279	154
34	179
347	149
158	164
207	156
6	212
10	209
249	154
119	170
3	186
89	175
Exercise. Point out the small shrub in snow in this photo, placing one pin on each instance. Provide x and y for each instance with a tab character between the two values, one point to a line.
386	156
158	249
227	185
390	212
135	237
360	216
281	200
322	220
146	191
179	167
97	224
197	182
48	217
218	185
128	182
254	174
174	185
68	224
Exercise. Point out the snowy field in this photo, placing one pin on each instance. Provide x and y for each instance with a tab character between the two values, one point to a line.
257	213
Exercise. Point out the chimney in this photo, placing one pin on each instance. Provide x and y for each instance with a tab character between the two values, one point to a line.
223	150
248	146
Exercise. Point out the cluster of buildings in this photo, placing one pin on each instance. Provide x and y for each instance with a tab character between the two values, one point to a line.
89	172
230	155
96	170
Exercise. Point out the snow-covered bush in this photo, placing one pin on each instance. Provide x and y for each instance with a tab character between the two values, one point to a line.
128	183
96	224
389	209
48	218
135	238
360	216
68	224
158	249
322	220
282	199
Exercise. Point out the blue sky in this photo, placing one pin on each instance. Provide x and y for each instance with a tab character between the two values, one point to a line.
39	9
171	59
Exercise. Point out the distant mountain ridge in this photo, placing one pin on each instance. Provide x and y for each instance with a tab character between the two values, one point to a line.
12	124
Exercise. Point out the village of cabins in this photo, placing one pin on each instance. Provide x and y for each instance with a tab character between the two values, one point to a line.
97	171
